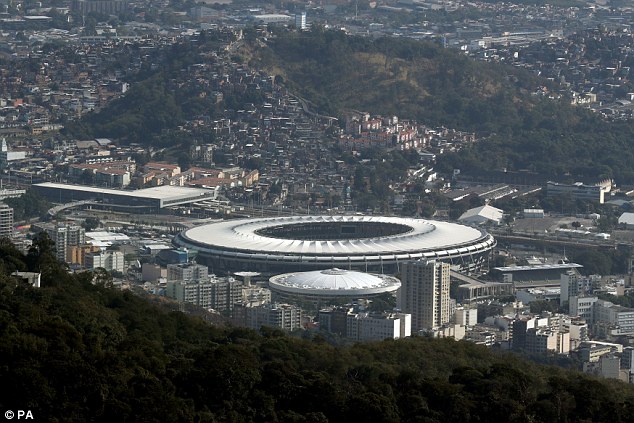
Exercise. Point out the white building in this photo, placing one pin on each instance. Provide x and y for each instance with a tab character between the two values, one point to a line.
481	337
376	327
582	307
32	278
448	330
283	316
272	19
578	333
300	21
569	286
225	293
424	293
521	326
187	272
527	295
482	215
7	156
188	292
112	261
64	236
220	294
580	191
533	213
627	220
255	295
466	316
6	221
620	319
543	340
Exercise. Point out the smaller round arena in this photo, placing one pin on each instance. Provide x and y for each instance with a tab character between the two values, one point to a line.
330	285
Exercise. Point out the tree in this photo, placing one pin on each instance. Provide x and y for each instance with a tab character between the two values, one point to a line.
28	205
254	163
184	161
456	209
87	177
101	277
41	258
91	223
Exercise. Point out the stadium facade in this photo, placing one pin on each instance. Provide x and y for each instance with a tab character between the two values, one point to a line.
365	243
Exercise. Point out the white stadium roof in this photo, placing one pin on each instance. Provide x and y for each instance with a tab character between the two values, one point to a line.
300	243
333	282
422	235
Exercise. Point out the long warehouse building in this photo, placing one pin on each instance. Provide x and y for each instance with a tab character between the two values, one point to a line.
147	200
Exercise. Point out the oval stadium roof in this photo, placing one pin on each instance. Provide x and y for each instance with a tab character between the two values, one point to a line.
242	234
333	282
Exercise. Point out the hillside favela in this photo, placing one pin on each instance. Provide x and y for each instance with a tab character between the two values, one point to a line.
317	211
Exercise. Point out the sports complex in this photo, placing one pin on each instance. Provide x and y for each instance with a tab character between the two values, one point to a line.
302	243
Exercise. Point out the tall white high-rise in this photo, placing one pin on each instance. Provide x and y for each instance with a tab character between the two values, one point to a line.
6	221
300	21
424	293
569	284
64	236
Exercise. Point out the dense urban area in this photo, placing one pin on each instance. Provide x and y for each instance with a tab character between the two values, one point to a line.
179	158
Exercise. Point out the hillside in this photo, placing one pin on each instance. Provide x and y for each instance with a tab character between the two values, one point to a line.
420	80
75	351
387	76
392	76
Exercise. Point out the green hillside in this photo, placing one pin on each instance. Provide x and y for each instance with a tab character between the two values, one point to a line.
388	76
394	76
75	351
420	80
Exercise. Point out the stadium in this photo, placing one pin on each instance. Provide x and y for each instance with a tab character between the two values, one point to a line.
301	243
330	286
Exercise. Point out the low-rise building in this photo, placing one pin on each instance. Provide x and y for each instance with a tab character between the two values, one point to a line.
364	326
614	319
112	261
544	340
466	316
482	337
283	316
482	215
378	326
187	272
580	191
76	254
32	278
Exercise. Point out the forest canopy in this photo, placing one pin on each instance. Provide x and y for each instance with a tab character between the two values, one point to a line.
78	350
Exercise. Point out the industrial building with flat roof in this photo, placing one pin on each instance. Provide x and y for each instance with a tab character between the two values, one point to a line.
535	275
142	200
